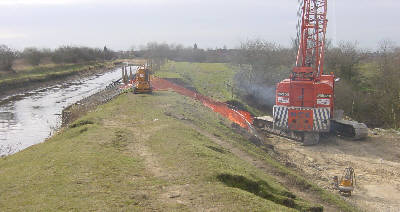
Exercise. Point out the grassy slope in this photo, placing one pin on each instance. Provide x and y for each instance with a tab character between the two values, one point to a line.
199	73
45	72
126	156
210	79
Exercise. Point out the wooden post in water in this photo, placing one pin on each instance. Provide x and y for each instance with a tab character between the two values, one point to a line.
126	76
122	77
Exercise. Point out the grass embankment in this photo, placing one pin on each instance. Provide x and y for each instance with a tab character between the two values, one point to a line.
210	79
141	152
217	74
47	72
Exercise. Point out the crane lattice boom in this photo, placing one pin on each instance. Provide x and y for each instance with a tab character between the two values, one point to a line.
312	40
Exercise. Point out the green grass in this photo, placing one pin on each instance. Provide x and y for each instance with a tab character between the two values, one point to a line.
43	73
210	79
130	154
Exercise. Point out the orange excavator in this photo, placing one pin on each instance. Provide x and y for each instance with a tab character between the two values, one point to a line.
141	82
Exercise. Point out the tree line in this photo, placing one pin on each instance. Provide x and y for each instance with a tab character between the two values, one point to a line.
369	89
159	53
60	55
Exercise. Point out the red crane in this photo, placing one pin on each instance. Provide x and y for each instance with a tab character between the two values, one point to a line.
305	102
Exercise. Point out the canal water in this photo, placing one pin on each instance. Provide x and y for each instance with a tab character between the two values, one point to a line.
29	118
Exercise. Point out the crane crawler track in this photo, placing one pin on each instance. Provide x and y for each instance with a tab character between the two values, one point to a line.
345	128
265	124
351	129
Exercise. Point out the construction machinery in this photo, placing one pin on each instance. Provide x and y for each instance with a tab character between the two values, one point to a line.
141	82
347	182
304	105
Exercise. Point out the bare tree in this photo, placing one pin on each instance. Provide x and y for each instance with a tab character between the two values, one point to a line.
7	57
71	54
262	65
32	55
343	60
388	85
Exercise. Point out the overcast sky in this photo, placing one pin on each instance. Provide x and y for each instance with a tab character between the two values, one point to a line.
120	24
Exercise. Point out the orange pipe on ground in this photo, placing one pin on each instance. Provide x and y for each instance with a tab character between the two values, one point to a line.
240	117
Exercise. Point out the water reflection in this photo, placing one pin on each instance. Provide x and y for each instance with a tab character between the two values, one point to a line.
30	118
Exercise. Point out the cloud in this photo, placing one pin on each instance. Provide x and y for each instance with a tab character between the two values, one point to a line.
6	35
210	23
79	2
36	2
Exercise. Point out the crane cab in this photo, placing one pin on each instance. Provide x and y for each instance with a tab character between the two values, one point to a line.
305	106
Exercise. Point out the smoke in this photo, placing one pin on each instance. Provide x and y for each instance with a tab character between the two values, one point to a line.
256	91
262	65
263	94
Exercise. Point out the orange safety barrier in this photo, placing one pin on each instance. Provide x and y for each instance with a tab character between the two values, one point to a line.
240	117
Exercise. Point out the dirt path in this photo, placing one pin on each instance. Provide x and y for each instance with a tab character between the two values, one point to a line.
171	194
376	162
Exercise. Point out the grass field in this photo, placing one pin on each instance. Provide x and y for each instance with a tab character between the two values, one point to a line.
210	79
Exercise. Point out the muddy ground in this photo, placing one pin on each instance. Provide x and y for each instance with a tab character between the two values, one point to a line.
376	162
